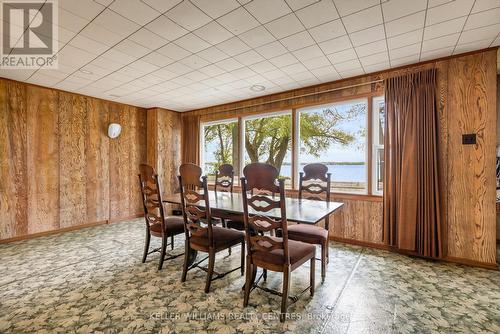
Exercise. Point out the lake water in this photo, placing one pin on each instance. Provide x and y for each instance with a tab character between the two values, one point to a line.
340	173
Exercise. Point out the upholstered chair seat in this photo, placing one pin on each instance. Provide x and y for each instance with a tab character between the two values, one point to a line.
173	226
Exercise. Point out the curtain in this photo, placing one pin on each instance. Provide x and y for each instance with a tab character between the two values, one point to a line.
412	213
190	139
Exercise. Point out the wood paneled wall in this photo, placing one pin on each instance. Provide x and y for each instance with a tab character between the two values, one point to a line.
58	168
467	99
164	129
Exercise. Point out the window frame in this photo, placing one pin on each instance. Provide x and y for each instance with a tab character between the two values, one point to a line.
375	143
202	136
294	112
366	100
242	132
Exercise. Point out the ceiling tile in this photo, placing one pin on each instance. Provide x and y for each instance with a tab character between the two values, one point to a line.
342	56
84	43
298	4
476	45
216	8
440	42
307	53
405	39
86	9
377	67
405	51
71	21
178	68
444	28
364	19
317	62
162	5
249	58
482	5
116	23
188	16
212	70
373	59
262	67
283	60
101	34
368	35
233	46
271	50
318	13
212	54
229	64
346	7
243	73
192	43
405	60
297	41
238	21
148	39
265	10
348	65
285	26
136	11
131	48
448	11
173	51
213	33
328	31
405	24
483	19
166	28
395	9
371	48
488	32
336	44
438	53
157	59
294	68
194	62
257	37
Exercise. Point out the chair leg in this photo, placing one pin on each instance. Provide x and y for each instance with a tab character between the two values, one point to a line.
284	297
211	263
324	250
146	246
163	251
312	272
172	242
186	261
250	274
242	263
264	275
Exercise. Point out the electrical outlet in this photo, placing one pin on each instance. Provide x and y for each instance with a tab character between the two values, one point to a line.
469	139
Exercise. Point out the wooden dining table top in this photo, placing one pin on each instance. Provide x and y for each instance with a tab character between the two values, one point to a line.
297	210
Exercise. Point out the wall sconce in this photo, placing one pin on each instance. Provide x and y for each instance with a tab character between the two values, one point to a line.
114	130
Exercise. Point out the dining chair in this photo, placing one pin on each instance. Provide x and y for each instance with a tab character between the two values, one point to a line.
224	178
278	254
157	224
201	234
314	184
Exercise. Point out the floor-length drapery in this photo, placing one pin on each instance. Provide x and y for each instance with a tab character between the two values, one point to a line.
191	139
412	214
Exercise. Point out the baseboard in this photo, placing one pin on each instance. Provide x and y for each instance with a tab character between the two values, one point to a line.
69	229
449	259
121	219
52	232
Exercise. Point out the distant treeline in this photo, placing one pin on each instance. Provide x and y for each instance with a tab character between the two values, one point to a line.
335	163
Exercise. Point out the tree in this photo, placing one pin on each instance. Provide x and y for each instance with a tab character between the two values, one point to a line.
268	139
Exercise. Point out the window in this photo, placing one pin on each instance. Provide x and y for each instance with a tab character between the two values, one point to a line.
378	144
219	145
335	135
269	139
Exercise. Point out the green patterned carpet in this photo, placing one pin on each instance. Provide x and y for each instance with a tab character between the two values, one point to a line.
93	281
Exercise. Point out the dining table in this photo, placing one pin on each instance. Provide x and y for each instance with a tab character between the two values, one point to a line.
229	205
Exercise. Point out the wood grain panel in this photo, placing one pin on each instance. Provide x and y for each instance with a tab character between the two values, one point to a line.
72	161
358	220
13	169
471	168
137	156
97	164
42	159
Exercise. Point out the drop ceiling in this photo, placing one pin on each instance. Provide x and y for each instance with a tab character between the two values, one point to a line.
184	55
